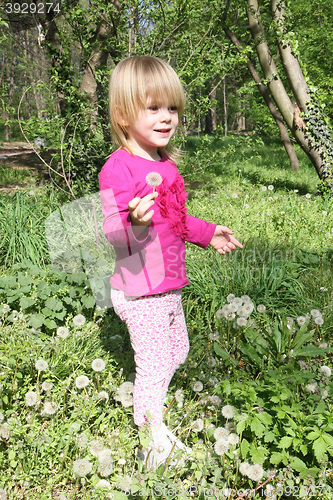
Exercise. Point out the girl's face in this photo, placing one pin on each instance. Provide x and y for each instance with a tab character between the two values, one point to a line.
152	129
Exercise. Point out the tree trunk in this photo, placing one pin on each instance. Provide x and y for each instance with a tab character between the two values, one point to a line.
294	163
278	91
210	118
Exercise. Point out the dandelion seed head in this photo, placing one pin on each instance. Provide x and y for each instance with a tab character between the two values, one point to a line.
79	320
3	494
50	408
81	381
214	336
308	195
261	308
323	345
179	395
2	417
82	467
198	386
98	365
326	370
62	332
5	431
221	447
127	400
324	394
219	314
102	395
270	187
230	297
233	438
241	321
126	388
264	188
215	400
47	386
81	440
311	387
95	447
244	468
221	433
103	483
154	179
41	365
228	411
319	320
125	484
31	398
301	320
255	472
197	425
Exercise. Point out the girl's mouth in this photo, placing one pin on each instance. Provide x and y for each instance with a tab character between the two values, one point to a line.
163	130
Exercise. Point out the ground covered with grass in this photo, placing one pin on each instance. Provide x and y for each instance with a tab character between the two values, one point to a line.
253	400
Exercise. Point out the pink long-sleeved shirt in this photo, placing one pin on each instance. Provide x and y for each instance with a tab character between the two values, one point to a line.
154	262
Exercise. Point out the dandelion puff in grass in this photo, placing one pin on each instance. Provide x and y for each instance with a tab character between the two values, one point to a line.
221	433
270	187
81	440
324	394
197	425
311	387
47	386
31	398
219	314
230	297
237	302
255	472
82	467
319	320
179	395
102	396
62	332
125	484
326	370
221	447
198	386
127	400
105	462
315	313
95	447
211	362
154	179
98	365
228	411
126	388
5	431
81	381
103	483
2	417
301	320
41	365
244	468
79	320
3	494
233	438
241	321
50	408
261	308
214	336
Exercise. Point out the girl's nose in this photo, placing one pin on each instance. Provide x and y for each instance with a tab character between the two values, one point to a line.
165	114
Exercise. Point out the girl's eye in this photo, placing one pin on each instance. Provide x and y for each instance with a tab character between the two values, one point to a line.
173	109
153	108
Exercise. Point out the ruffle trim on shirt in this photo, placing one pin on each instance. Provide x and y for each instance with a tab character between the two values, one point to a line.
171	201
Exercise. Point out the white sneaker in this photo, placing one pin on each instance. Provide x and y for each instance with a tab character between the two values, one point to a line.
178	445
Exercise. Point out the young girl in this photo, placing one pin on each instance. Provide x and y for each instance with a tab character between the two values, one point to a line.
145	219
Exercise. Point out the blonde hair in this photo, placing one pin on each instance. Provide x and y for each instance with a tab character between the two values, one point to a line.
134	80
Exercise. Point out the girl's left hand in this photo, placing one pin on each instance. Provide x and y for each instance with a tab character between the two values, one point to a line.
223	241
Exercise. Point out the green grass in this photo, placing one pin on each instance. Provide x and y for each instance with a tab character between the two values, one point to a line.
266	370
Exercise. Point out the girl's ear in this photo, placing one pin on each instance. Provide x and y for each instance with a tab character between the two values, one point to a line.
120	117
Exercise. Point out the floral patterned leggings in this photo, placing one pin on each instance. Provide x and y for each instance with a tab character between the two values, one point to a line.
159	338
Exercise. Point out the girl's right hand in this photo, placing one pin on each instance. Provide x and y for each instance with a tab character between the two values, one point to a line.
139	209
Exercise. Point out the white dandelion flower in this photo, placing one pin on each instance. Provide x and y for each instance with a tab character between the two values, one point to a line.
221	447
41	365
95	447
233	438
228	411
244	468
255	472
233	306
221	433
81	381
315	313
197	425
82	467
214	336
243	312
215	400
31	398
2	417
264	188
154	179
121	461
50	408
261	308
198	386
3	494
102	395
127	400
62	332
326	370
5	431
270	187
81	440
105	462
47	386
5	308
179	395
126	387
319	320
219	314
230	316
308	195
211	362
301	320
103	483
231	297
249	307
79	320
241	321
238	301
323	345
324	394
311	387
125	484
98	365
